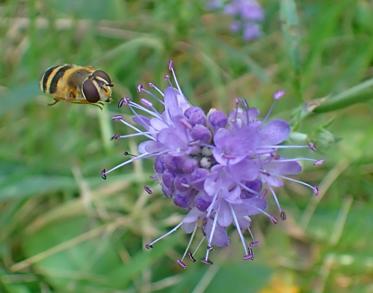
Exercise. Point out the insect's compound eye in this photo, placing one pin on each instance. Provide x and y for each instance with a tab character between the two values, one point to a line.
90	91
102	77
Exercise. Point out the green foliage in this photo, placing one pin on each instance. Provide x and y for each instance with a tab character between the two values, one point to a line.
63	229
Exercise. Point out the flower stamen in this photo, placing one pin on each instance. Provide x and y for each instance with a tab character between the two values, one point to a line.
171	68
127	162
209	247
315	189
151	244
190	242
121	119
239	231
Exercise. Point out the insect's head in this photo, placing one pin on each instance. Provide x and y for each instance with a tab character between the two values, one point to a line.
97	87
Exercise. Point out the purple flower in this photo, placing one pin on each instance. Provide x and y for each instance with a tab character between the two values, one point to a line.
247	14
217	167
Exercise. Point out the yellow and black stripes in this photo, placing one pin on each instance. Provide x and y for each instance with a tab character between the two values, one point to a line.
52	76
76	84
55	79
45	77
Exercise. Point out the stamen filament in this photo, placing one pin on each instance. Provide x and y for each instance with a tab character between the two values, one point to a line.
137	106
153	95
209	209
251	233
190	241
135	128
198	246
313	188
272	218
133	134
284	147
275	198
171	68
296	159
150	245
239	230
209	247
127	162
269	112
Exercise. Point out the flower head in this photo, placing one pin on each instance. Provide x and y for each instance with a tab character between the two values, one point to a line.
247	14
217	167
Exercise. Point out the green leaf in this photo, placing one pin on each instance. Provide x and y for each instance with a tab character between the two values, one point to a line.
79	264
141	261
17	97
290	30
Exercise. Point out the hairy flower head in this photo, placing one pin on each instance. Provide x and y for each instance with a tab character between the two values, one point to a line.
219	168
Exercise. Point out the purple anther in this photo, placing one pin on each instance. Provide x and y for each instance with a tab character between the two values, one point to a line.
248	256
148	246
316	190
148	190
124	102
117	118
274	220
283	215
206	261
319	163
181	264
278	95
103	174
312	146
166	77
170	65
146	103
115	137
254	244
191	257
140	88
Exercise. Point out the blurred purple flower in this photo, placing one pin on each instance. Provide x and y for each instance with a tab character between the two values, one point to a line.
218	167
247	14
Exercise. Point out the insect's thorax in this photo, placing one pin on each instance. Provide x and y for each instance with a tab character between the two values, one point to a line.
76	77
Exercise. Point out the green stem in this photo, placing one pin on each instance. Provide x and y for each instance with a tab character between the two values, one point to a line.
356	94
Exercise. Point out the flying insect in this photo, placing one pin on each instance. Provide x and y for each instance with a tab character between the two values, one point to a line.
77	85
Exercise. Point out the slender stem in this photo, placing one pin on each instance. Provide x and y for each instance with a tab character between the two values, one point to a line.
356	94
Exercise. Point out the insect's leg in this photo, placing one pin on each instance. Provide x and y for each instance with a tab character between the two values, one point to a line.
54	102
82	102
99	105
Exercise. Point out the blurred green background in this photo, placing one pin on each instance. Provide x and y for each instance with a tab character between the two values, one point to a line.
64	229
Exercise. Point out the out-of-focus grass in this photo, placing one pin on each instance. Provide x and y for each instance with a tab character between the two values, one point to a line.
65	230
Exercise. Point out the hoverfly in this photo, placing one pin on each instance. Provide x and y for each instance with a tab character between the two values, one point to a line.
77	84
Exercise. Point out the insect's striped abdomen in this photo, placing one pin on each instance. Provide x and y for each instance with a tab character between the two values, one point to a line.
45	77
59	73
